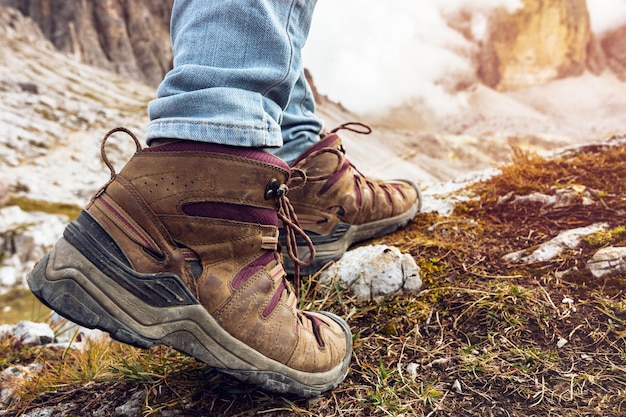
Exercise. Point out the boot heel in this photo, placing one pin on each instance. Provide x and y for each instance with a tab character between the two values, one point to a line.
70	300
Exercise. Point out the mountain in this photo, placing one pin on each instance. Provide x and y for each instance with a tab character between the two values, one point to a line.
127	37
614	46
541	42
53	110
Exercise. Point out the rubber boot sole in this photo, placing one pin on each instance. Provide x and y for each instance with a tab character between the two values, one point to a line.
69	283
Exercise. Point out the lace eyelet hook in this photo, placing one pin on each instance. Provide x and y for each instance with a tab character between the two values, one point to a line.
274	189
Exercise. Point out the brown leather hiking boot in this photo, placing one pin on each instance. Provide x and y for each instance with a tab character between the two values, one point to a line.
180	248
337	206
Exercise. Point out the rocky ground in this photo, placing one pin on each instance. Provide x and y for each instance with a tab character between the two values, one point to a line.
521	313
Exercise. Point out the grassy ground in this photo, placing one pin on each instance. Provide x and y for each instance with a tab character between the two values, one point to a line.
484	338
20	304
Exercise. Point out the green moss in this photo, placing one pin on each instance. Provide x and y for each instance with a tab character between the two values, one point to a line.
619	232
70	210
606	237
432	267
20	304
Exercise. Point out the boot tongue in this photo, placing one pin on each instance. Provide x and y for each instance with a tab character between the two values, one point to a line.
331	140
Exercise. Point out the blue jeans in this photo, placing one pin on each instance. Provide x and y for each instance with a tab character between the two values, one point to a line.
237	77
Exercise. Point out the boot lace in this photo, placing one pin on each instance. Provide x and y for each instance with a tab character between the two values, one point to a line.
361	182
287	214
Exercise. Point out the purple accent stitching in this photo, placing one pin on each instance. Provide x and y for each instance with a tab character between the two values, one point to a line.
275	299
373	190
130	227
398	188
316	328
234	212
319	145
335	177
251	269
357	189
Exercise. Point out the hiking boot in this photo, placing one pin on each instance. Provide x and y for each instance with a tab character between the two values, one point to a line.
180	248
337	206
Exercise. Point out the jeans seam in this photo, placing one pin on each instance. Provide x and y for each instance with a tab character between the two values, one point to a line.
230	126
286	76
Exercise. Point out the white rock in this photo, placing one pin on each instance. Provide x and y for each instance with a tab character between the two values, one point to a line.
9	380
41	412
31	333
514	199
607	260
8	278
6	397
554	247
374	272
23	372
30	231
5	330
25	237
562	197
443	197
456	387
71	334
411	369
133	406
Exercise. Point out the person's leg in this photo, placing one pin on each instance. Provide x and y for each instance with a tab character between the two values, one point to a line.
180	247
235	66
300	126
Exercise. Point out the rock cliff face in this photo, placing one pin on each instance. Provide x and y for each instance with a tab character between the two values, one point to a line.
52	104
128	37
542	41
614	46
